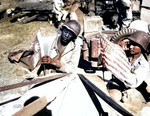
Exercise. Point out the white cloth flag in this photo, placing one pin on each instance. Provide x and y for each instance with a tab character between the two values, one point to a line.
44	44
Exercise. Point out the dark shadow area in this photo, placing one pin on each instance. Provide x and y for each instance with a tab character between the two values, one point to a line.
86	65
42	112
2	14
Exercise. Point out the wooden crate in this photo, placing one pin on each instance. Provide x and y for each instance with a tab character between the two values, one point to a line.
95	48
145	15
92	24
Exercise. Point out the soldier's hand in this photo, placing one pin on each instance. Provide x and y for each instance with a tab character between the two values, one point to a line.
56	61
46	59
124	44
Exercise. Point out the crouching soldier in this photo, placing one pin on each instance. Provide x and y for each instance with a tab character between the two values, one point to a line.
58	9
136	46
60	53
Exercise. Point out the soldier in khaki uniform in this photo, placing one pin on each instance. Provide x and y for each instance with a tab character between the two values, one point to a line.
58	9
136	44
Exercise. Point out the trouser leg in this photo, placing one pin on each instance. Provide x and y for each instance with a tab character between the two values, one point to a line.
65	13
59	15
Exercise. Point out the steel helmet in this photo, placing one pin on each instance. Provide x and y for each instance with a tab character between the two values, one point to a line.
139	25
140	38
73	26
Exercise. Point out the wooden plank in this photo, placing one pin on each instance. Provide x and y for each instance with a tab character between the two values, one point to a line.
8	101
26	20
108	32
104	96
145	3
35	81
32	108
145	14
92	34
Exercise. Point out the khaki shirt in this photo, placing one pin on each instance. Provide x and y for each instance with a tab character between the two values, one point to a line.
140	68
70	56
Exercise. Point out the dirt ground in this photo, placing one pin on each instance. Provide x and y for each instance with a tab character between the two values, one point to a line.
13	37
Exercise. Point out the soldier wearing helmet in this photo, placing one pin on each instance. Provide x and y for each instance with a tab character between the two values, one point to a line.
54	53
66	47
139	42
136	45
